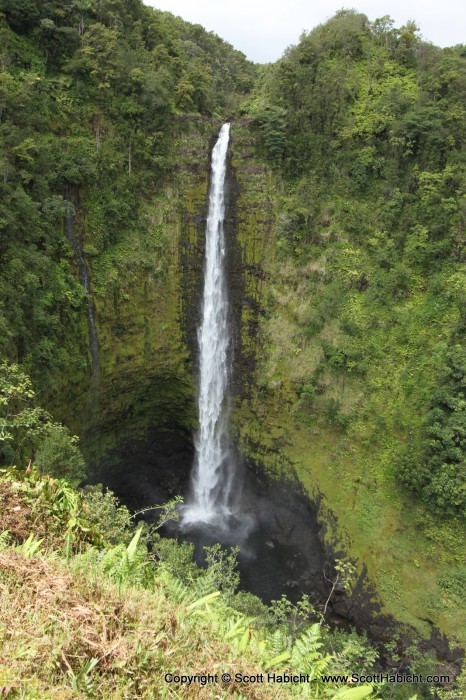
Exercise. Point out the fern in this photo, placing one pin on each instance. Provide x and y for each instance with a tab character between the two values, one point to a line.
306	653
126	565
237	626
279	642
204	601
174	587
203	585
284	656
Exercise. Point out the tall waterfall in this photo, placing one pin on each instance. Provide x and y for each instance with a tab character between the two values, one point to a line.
214	463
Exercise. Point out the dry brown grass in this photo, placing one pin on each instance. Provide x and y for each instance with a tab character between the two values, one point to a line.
15	511
54	620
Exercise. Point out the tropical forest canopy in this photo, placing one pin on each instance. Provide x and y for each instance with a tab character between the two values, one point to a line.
358	132
366	123
89	92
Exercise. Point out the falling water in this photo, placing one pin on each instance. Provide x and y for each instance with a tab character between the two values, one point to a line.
214	465
70	222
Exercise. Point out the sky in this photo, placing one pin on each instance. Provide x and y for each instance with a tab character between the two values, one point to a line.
263	29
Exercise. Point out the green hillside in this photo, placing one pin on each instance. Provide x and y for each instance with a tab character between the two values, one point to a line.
346	229
363	359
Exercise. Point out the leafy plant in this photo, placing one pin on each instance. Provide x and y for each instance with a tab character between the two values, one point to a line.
222	568
127	565
58	454
82	681
31	547
104	511
293	617
307	653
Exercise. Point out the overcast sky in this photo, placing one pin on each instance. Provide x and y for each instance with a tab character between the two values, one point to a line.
262	29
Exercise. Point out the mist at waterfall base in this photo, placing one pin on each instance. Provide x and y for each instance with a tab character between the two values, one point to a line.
277	535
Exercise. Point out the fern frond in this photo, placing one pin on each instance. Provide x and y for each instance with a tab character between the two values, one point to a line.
279	642
203	601
284	656
306	653
202	586
175	589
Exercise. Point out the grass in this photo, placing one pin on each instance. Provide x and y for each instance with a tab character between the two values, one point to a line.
92	620
57	620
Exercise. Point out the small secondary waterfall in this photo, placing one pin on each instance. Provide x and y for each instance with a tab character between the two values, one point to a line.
214	466
84	278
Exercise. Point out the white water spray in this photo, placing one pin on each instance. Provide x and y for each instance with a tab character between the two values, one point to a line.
214	464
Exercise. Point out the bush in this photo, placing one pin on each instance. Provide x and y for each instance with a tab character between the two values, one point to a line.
59	455
178	558
438	472
105	512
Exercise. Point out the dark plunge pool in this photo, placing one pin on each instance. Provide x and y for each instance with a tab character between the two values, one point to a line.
276	527
282	549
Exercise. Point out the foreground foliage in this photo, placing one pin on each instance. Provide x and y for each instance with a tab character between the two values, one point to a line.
84	618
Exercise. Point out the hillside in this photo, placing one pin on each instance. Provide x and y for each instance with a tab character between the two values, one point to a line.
345	232
360	374
84	619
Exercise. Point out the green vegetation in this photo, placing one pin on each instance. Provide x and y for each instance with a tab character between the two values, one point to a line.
348	156
96	605
104	107
360	360
27	430
84	618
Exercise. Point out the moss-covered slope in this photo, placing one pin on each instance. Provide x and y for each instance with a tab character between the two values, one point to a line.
359	378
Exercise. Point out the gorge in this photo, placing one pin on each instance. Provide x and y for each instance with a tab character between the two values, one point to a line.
339	366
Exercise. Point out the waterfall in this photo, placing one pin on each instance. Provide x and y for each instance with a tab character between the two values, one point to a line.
70	223
214	465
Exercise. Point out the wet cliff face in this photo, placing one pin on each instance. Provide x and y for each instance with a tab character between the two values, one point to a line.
249	218
136	422
145	294
249	223
144	288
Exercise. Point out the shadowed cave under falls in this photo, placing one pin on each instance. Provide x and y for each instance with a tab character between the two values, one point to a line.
226	499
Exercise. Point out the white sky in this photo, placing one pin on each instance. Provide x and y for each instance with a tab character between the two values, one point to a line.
262	29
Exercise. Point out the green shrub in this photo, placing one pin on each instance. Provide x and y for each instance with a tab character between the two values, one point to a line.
105	512
59	455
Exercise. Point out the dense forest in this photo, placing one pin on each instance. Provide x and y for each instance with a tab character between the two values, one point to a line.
90	91
348	168
366	123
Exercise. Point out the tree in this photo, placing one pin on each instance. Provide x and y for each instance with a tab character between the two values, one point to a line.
28	432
